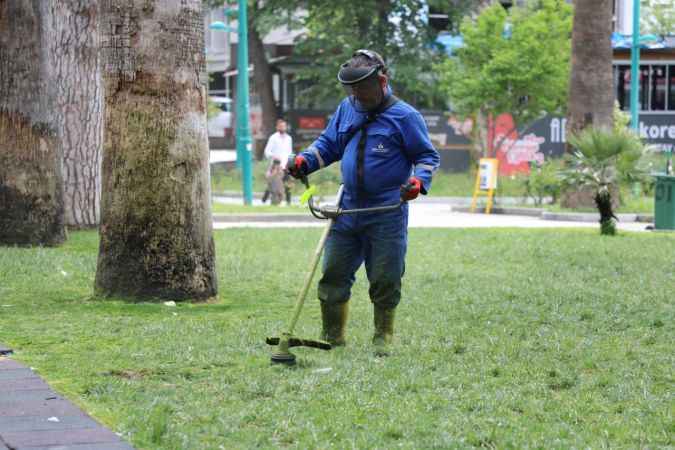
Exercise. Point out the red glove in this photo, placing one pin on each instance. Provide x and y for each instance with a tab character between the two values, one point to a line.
411	190
297	166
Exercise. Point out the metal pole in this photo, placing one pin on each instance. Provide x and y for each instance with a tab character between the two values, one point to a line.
634	68
227	56
243	130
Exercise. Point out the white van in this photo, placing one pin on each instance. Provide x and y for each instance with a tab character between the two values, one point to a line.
220	125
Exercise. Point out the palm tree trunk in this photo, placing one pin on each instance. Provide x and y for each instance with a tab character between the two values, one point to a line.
79	107
603	201
31	183
591	97
156	226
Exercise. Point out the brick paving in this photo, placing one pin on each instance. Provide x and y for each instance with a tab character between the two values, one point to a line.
34	417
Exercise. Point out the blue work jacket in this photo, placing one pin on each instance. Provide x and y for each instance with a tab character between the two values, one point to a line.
397	147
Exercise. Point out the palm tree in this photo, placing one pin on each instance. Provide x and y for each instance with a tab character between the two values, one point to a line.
591	97
601	160
156	228
79	107
31	181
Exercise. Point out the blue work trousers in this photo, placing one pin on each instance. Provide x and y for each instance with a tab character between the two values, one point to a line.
378	239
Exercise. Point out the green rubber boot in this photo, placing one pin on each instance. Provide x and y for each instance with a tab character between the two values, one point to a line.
383	319
334	319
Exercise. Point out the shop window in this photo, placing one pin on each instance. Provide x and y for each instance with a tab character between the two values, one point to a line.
623	87
658	86
643	92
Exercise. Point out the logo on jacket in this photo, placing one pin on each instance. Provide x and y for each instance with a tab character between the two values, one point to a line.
380	148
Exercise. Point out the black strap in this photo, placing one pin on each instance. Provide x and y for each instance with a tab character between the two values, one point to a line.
361	148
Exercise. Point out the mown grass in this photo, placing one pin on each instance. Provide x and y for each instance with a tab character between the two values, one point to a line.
506	339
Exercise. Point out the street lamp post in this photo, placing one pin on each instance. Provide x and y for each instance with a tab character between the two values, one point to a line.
634	67
243	129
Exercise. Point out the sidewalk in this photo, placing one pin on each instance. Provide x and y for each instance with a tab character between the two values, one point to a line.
33	417
435	212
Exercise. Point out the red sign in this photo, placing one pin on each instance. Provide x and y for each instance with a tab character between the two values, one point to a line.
514	152
311	123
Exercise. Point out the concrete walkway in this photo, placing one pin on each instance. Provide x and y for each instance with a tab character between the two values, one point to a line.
432	214
33	417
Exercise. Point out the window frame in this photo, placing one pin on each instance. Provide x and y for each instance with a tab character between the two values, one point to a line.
670	68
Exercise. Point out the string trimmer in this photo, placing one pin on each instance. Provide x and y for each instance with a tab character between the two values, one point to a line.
281	354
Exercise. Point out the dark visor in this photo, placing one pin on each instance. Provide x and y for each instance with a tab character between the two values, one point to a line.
353	75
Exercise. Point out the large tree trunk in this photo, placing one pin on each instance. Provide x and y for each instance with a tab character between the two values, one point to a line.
156	226
591	97
79	107
263	82
31	183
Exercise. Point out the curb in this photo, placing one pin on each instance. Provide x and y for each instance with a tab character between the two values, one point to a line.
584	217
557	216
262	218
529	212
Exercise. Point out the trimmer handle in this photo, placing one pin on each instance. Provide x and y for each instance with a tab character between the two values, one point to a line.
298	174
405	188
304	180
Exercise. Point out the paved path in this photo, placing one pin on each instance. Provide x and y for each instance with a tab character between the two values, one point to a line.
33	417
428	215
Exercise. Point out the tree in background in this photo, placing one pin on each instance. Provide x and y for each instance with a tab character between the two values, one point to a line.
156	236
397	29
591	95
520	69
657	17
79	107
31	182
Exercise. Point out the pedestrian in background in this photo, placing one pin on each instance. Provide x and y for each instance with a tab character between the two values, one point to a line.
275	183
279	147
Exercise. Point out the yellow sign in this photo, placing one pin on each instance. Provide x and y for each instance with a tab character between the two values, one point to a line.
486	180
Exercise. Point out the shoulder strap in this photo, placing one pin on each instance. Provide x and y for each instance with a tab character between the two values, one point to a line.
361	148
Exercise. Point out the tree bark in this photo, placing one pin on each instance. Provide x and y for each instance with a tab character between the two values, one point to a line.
591	98
263	83
79	107
31	183
156	226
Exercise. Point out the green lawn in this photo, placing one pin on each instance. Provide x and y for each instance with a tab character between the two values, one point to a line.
506	339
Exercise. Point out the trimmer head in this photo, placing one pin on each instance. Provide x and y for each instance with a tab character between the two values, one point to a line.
287	358
282	355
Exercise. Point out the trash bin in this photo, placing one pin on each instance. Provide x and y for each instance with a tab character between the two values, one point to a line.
664	202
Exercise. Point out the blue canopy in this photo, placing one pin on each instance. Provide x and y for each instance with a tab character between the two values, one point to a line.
450	42
648	41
